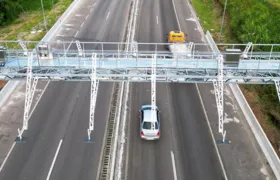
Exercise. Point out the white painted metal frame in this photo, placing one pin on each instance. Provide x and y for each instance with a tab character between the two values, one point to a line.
277	84
189	48
29	94
153	88
219	95
80	50
218	83
93	95
21	43
134	48
245	53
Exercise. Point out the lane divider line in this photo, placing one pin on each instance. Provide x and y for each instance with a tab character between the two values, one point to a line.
173	165
211	132
107	15
82	24
176	15
54	159
10	151
157	19
76	33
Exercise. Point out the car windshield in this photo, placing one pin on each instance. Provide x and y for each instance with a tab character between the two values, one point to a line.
148	125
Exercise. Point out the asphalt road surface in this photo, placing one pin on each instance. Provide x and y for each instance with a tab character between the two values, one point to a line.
63	111
185	132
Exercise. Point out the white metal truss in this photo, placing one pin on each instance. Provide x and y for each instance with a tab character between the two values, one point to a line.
212	44
134	48
219	82
245	53
219	95
189	48
153	89
277	84
93	95
21	43
29	94
80	50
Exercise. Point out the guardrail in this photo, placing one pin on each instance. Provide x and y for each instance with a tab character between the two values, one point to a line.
263	141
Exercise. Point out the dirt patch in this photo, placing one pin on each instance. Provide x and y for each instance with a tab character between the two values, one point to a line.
271	131
2	84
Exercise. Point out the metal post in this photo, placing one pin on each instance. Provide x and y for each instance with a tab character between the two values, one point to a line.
277	84
84	49
94	90
225	7
21	43
245	53
189	49
43	11
79	48
270	52
153	89
102	50
219	95
29	93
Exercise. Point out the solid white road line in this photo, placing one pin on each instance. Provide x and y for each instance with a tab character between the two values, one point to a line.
86	16
39	99
176	15
10	151
173	165
54	159
6	158
82	24
107	15
157	19
211	132
94	4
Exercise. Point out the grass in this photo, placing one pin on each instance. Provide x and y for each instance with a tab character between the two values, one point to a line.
263	106
209	14
32	20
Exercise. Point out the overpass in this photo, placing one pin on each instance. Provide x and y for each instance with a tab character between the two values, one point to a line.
95	61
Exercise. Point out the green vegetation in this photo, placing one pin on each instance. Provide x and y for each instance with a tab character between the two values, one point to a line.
19	17
11	9
249	21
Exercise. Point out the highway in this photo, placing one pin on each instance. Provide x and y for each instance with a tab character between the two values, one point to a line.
185	132
62	114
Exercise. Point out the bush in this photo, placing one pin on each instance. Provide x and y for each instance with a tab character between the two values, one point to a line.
258	22
11	9
254	21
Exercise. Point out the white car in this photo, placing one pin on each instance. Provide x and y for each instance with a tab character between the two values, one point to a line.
149	129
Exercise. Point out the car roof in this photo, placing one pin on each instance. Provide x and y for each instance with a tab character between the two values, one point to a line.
147	106
148	116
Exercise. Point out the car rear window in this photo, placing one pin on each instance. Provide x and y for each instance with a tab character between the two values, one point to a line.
148	125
